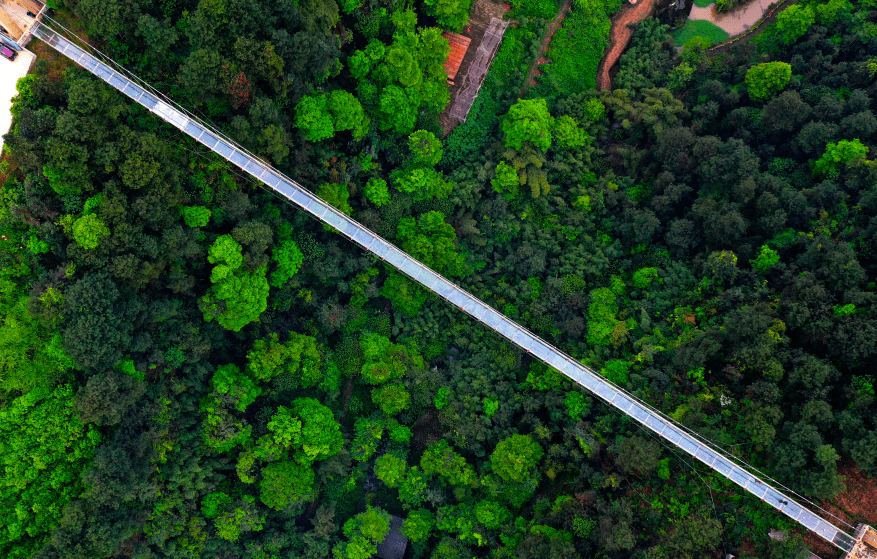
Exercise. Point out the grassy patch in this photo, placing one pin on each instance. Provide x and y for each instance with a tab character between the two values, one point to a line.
539	9
699	28
499	90
576	49
703	3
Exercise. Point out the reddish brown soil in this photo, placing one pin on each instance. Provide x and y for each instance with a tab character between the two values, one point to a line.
543	48
854	505
620	36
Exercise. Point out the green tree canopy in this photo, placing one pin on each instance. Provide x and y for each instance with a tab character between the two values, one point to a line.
299	357
837	155
425	147
391	398
376	191
289	259
43	450
390	469
441	460
793	22
515	458
766	80
284	483
431	240
528	120
88	231
321	434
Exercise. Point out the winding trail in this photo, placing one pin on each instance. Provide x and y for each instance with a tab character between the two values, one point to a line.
543	48
619	37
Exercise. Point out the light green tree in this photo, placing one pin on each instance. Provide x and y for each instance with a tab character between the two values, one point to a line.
766	80
390	469
766	259
528	120
31	355
236	300
505	180
337	195
491	514
88	231
196	216
643	278
376	191
602	321
299	356
347	113
364	531
404	294
424	183
568	134
425	147
321	434
283	483
794	21
288	258
391	398
440	459
43	451
398	112
514	458
839	154
418	525
241	519
229	379
312	117
431	240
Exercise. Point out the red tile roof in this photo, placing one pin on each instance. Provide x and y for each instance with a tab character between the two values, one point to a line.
459	46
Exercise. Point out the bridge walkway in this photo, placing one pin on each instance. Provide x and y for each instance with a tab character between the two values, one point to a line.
614	396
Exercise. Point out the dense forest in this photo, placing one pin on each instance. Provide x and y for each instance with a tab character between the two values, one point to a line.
191	367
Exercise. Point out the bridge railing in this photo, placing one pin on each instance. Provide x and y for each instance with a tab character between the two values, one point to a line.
613	395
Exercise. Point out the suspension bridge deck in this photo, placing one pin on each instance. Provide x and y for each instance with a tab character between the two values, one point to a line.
616	397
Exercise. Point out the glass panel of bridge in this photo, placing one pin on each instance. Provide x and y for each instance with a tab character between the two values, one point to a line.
723	466
492	320
88	63
192	129
333	219
148	101
444	289
457	297
604	390
409	267
738	476
689	445
394	257
118	81
361	236
239	159
381	248
271	179
480	311
522	339
295	195
469	305
639	413
223	149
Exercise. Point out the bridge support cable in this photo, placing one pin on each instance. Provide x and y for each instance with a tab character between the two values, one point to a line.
646	415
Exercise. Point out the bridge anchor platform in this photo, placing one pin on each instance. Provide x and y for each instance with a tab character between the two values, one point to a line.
865	545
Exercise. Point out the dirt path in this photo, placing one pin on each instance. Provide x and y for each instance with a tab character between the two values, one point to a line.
543	48
620	36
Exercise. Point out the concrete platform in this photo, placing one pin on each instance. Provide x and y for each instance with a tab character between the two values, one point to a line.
10	73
